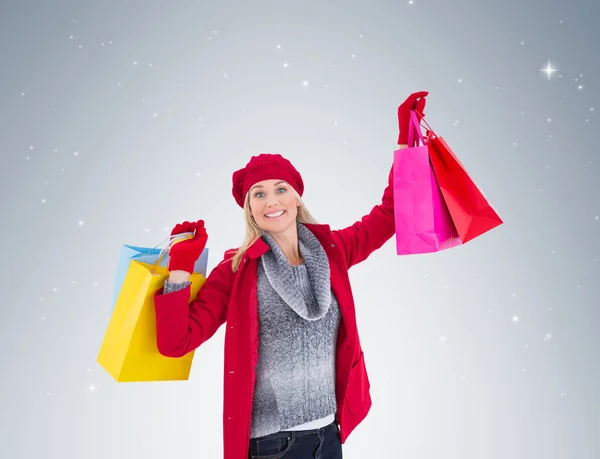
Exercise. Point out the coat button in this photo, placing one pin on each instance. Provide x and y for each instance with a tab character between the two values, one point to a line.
332	245
231	372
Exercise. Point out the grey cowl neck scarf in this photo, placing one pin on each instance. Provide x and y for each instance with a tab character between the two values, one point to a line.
281	274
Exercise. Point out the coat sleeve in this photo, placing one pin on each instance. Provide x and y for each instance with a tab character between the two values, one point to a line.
183	325
373	230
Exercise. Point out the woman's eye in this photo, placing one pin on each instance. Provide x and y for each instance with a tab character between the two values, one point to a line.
259	193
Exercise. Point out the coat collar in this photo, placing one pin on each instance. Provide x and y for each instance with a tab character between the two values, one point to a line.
259	247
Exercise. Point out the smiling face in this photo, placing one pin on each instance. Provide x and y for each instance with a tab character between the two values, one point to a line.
273	205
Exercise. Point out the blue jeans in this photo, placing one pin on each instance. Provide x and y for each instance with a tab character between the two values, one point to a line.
323	443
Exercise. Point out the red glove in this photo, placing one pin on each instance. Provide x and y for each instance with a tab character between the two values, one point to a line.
183	255
416	102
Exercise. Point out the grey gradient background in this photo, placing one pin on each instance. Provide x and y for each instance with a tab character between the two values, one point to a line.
120	119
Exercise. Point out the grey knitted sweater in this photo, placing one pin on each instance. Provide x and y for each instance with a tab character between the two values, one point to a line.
298	324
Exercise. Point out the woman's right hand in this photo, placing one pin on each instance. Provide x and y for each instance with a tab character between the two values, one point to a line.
183	254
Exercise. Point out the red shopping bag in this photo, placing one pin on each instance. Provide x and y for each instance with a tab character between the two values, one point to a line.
470	210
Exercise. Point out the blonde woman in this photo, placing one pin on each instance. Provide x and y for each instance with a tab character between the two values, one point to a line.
295	380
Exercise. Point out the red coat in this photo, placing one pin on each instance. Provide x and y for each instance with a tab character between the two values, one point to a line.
231	297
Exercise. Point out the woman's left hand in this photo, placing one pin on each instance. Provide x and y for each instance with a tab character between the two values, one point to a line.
416	102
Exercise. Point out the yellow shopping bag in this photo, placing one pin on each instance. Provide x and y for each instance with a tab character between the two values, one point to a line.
128	352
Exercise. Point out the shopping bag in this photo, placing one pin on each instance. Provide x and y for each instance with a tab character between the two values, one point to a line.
129	351
471	212
422	220
146	255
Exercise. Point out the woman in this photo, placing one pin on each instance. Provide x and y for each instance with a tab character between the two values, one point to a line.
295	382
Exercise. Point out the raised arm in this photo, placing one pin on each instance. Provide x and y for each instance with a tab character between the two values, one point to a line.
183	325
369	233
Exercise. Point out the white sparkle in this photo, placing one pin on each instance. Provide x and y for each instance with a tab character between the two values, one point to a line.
55	289
549	120
548	336
515	319
460	80
442	339
335	123
95	284
305	83
353	56
522	43
549	70
43	201
285	65
580	87
80	223
92	388
278	47
225	75
76	153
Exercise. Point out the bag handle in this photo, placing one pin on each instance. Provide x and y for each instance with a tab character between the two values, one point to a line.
414	126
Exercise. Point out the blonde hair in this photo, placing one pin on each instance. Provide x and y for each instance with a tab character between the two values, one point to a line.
254	232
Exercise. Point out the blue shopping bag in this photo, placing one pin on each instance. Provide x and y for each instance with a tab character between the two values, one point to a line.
146	255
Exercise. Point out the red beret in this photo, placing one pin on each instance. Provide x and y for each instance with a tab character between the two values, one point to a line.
264	167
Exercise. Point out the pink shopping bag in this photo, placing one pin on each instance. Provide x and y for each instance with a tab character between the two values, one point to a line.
423	223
